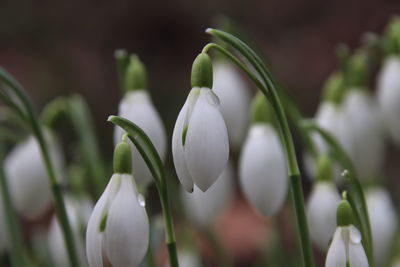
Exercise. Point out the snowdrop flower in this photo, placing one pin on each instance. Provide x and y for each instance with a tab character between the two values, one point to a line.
262	164
200	145
365	145
388	95
27	177
330	117
118	229
346	248
78	211
187	258
383	220
203	208
322	204
235	101
136	106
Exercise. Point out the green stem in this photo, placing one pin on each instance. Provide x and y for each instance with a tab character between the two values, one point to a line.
14	229
38	133
268	88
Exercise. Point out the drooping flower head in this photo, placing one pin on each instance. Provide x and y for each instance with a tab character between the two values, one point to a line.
200	146
118	229
262	165
27	177
322	204
346	248
136	106
234	96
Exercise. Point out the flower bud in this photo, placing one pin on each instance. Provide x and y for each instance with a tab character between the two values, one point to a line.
200	145
321	212
27	176
388	95
234	96
137	107
263	171
383	219
203	208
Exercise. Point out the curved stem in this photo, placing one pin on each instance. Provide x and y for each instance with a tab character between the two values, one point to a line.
14	229
56	189
268	88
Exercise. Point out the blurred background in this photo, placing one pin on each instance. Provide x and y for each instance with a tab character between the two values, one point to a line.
63	47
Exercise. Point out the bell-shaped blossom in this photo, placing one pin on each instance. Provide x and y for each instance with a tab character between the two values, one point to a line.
200	145
383	219
364	133
235	100
329	117
203	208
346	247
137	107
27	177
389	96
263	171
78	211
118	229
321	212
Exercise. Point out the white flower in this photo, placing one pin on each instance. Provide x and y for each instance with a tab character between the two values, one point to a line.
137	107
118	228
203	208
78	211
27	177
263	171
389	96
321	213
345	248
200	145
330	118
383	220
364	133
235	100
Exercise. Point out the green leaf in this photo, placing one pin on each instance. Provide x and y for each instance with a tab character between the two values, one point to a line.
145	147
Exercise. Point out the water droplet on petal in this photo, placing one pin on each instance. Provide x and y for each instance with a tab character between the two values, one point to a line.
355	235
141	200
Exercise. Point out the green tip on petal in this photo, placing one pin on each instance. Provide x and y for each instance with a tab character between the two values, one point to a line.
136	75
202	71
392	36
324	168
122	158
344	213
334	88
103	223
262	111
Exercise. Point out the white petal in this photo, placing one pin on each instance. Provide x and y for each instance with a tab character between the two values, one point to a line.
235	100
207	146
177	151
137	107
336	256
389	96
127	229
357	256
27	177
383	220
263	171
94	238
321	212
203	208
366	142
